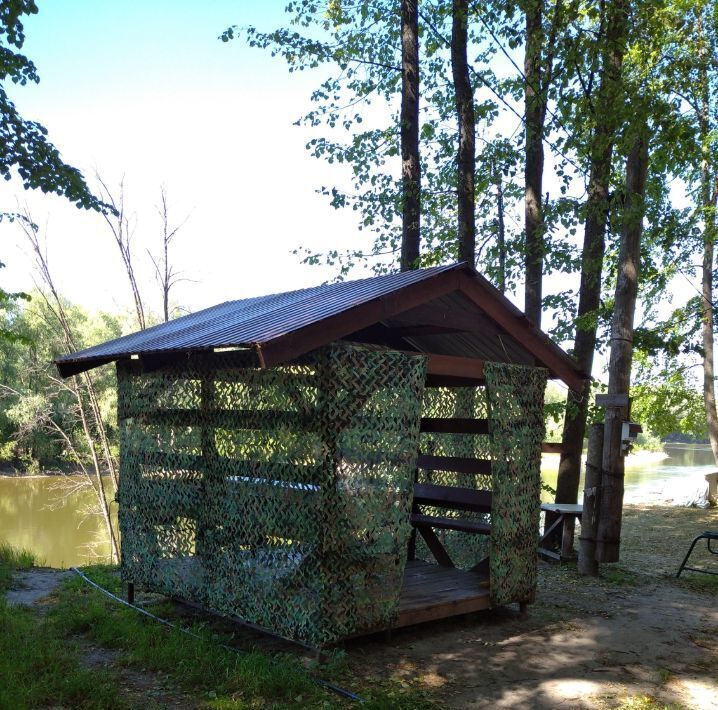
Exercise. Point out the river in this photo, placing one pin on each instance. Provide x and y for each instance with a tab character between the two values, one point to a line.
49	514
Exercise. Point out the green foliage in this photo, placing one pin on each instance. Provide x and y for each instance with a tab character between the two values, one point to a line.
24	147
669	403
204	667
31	395
38	669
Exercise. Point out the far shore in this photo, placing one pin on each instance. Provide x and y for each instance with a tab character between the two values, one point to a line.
548	462
636	459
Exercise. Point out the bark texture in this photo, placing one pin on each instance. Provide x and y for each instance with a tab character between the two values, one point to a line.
410	167
709	196
467	131
608	105
608	535
534	159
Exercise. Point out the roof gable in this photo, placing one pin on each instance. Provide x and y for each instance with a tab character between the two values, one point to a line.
284	326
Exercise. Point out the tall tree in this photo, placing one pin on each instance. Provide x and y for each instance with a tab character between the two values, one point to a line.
607	107
539	57
409	118
619	368
467	131
708	198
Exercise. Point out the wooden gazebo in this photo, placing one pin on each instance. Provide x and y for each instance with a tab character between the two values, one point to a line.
336	460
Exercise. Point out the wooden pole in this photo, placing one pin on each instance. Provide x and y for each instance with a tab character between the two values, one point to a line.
587	564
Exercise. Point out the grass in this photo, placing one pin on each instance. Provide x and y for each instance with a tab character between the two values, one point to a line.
202	667
41	657
645	702
37	668
10	560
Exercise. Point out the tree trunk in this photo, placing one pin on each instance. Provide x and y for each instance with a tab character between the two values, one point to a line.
467	131
410	167
587	564
534	158
708	206
500	229
608	104
608	536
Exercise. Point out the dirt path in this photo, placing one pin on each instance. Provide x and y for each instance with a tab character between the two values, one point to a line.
33	586
585	643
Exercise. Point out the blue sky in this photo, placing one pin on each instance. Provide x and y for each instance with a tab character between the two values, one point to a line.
146	89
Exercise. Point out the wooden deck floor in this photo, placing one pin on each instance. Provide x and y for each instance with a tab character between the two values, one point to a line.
433	592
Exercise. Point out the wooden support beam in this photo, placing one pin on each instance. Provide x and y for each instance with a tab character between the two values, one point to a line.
454	425
453	366
491	301
297	342
452	497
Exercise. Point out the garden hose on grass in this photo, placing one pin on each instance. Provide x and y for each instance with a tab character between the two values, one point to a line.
319	681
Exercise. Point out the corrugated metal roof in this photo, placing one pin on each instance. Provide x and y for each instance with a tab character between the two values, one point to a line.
291	323
254	320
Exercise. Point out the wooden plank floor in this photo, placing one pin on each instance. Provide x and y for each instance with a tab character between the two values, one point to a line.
433	592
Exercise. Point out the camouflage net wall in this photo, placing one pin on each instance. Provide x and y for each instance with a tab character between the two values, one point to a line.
516	425
279	495
513	403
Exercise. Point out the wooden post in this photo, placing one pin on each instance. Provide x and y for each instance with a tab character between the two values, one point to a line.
587	564
712	479
130	592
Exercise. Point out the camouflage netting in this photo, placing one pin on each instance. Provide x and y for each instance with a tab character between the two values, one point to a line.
278	495
516	424
513	403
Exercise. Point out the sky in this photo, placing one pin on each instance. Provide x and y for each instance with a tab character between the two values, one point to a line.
147	91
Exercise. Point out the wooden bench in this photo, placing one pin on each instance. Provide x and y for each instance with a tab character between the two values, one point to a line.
449	498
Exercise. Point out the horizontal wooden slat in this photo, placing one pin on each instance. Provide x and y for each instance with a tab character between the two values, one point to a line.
452	497
454	425
469	526
456	464
454	366
549	447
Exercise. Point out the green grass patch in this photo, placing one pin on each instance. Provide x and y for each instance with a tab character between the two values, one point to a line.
618	576
219	676
697	582
12	559
38	669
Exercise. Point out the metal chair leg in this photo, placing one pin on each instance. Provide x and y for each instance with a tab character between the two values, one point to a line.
704	536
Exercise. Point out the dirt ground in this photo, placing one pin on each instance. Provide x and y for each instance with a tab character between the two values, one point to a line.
636	638
636	634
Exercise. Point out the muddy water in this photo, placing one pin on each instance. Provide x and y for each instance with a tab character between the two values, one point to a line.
51	516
